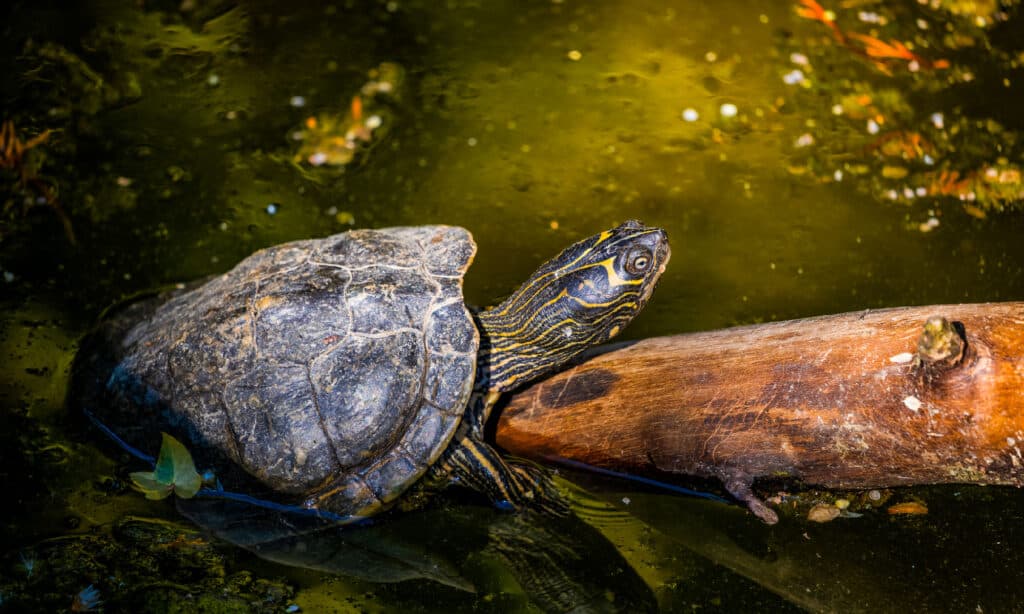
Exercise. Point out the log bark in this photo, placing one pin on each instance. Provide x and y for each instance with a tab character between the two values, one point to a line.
870	399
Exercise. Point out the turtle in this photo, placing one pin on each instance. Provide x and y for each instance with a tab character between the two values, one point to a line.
338	372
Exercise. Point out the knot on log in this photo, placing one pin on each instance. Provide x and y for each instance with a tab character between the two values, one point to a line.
941	345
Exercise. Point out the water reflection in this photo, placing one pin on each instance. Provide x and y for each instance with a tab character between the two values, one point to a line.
559	563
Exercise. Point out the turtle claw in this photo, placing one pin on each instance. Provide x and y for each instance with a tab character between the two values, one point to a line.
739	486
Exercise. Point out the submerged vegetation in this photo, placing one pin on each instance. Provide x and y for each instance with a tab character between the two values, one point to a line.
901	113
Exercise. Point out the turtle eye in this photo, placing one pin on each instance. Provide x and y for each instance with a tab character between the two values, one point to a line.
638	261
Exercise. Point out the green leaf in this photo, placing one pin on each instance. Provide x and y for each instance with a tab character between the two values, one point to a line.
184	476
146	483
175	471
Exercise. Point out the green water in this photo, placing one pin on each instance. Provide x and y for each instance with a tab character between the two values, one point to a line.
533	124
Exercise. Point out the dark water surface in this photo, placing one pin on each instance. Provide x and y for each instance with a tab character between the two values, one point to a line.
795	175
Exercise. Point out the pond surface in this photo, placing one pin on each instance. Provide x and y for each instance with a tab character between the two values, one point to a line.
803	163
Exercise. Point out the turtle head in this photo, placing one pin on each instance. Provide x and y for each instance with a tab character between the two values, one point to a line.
582	297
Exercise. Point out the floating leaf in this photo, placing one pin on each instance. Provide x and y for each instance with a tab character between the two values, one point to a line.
174	472
894	172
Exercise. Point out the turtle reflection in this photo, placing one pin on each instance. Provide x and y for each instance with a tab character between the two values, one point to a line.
561	563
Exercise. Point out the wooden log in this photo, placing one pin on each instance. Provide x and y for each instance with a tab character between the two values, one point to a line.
915	395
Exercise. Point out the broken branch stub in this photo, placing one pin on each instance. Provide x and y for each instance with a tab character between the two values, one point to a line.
941	345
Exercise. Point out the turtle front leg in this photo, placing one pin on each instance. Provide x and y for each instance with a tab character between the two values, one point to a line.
508	484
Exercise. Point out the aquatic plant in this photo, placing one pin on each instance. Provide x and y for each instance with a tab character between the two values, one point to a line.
87	600
15	156
28	563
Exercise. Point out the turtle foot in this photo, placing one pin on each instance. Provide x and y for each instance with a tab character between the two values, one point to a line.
510	485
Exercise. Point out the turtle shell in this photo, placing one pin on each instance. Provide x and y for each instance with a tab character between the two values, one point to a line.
336	369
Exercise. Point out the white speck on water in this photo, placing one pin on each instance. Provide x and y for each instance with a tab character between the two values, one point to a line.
297	101
804	140
913	403
471	141
872	127
8	276
798	58
928	160
929	225
913	66
223	226
837	109
298	135
271	209
710	56
567	331
838	175
938	120
922	24
892	194
318	158
921	191
793	77
626	501
690	115
213	80
728	110
908	193
1010	441
373	122
901	358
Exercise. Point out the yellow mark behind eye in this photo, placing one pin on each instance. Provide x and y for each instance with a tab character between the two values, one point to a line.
614	279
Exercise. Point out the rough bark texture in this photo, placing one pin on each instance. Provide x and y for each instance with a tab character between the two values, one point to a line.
916	395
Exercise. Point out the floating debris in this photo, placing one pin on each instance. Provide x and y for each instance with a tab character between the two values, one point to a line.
574	55
334	140
909	508
728	110
690	115
793	77
929	225
823	512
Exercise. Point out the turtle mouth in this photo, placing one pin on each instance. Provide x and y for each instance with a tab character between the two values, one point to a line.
663	253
